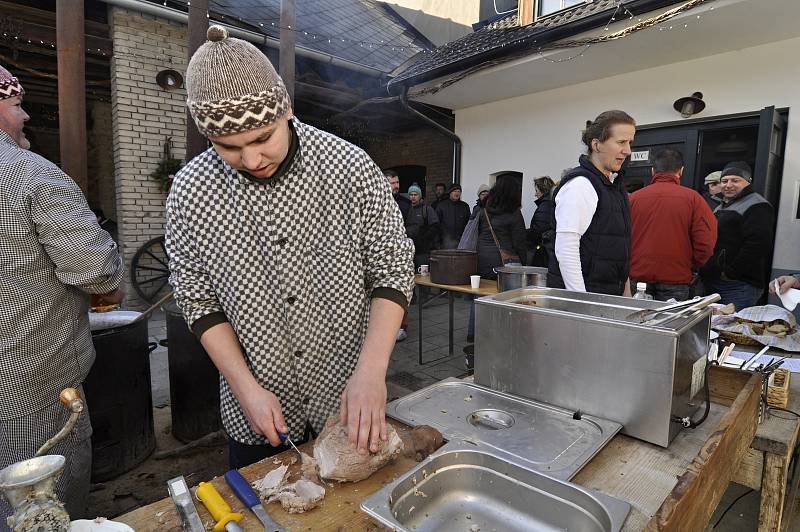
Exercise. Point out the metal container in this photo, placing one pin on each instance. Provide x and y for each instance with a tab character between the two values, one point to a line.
118	394
193	381
464	486
513	277
540	436
452	266
579	351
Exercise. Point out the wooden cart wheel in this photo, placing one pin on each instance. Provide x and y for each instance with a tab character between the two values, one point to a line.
150	270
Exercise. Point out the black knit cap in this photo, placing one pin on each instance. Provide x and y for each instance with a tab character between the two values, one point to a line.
738	168
454	186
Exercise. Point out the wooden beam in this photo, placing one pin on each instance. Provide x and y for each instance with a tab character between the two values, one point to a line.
196	143
526	11
72	90
700	488
286	61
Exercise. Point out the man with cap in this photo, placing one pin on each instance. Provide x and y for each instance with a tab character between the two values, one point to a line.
53	254
453	216
288	259
713	191
745	220
422	226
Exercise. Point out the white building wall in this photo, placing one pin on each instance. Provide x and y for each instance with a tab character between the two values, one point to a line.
539	134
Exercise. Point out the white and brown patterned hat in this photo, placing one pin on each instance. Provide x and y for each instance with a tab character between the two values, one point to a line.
9	85
232	87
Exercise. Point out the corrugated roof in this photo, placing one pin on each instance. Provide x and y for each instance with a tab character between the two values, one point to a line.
501	33
364	31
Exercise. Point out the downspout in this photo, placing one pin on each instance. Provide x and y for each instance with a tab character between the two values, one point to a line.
452	136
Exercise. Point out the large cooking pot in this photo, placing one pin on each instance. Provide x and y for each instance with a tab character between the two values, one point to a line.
118	394
453	266
193	381
513	277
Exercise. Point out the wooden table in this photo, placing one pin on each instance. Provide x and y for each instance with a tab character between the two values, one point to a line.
765	467
677	488
487	288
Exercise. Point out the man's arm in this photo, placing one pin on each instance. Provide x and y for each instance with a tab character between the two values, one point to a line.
757	240
576	204
703	232
262	407
388	258
84	255
363	408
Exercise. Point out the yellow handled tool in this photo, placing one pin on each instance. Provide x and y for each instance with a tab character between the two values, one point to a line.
226	518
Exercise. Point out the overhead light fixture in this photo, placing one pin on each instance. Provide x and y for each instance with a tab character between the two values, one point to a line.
690	105
169	80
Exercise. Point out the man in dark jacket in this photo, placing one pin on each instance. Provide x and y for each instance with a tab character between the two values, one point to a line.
673	231
440	194
713	192
422	226
403	202
738	269
453	216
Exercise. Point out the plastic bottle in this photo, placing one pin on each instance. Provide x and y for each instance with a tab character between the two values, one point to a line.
641	292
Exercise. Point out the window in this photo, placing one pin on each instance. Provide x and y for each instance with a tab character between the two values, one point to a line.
547	7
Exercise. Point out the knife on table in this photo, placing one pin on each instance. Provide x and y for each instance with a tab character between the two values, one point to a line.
183	501
225	518
248	496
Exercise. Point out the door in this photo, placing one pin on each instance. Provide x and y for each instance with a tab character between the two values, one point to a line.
769	155
649	142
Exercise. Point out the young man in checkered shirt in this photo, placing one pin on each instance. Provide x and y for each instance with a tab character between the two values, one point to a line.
288	257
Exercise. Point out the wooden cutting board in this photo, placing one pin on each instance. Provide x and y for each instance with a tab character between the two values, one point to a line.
340	509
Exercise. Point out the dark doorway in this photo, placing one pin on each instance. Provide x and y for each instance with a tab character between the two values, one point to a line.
410	174
708	144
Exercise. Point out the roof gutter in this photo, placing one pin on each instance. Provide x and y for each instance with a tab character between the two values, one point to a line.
549	35
175	15
452	136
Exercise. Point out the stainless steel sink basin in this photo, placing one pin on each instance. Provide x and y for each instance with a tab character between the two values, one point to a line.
469	487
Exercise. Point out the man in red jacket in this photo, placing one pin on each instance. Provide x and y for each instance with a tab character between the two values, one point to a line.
673	231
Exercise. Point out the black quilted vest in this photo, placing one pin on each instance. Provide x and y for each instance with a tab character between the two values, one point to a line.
606	245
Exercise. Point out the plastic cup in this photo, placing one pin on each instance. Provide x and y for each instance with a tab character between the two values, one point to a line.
475	281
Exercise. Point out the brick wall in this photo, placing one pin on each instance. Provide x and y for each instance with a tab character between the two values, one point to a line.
143	115
424	147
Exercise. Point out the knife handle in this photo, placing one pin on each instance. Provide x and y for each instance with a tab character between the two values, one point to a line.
242	488
216	505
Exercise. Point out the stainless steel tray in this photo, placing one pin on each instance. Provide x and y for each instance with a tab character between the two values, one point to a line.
464	487
546	438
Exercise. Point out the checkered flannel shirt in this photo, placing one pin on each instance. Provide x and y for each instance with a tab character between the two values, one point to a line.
292	262
52	252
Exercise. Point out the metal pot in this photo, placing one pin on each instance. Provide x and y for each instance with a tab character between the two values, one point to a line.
513	277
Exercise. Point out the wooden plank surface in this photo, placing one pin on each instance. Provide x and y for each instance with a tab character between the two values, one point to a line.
700	488
340	509
750	470
644	474
487	288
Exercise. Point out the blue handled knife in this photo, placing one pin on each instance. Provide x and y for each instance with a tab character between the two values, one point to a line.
248	496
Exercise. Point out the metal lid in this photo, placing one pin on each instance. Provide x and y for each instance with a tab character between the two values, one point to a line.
109	320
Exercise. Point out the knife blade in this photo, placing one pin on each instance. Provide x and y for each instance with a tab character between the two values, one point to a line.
183	502
284	436
247	495
225	518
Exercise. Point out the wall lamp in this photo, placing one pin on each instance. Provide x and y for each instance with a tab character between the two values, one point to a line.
690	105
169	80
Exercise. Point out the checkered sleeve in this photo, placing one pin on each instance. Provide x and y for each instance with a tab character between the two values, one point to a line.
387	253
84	255
193	287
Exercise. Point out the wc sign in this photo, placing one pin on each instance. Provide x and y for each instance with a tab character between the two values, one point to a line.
640	156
